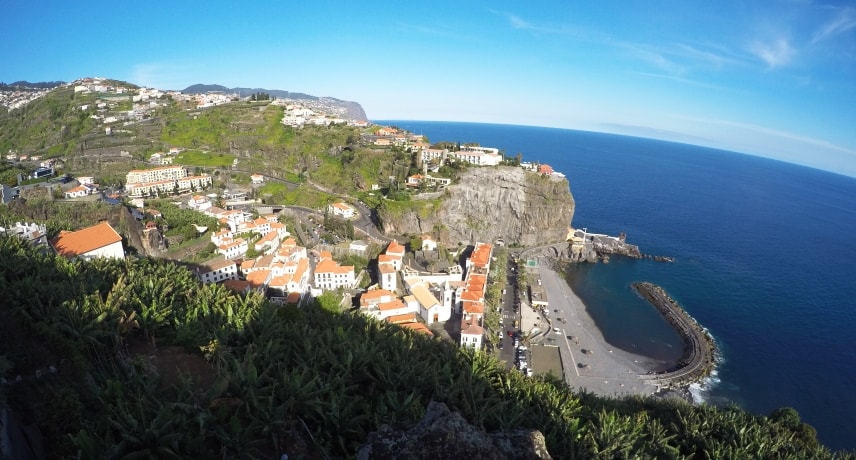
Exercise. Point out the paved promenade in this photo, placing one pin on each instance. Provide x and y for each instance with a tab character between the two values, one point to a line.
588	361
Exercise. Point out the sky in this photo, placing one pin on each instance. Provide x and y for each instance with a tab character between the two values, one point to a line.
774	78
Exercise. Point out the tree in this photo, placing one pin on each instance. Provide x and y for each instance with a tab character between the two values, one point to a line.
416	243
328	301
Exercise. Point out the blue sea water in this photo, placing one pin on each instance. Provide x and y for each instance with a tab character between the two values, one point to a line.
765	260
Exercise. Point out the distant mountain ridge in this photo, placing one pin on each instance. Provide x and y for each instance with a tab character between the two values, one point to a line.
354	109
28	85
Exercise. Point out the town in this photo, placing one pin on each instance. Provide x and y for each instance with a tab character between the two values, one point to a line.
417	284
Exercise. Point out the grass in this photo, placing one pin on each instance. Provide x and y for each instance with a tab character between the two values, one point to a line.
199	158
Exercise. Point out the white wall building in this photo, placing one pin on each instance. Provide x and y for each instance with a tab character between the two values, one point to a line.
218	270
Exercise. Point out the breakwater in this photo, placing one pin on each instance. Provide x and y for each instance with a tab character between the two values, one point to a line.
697	360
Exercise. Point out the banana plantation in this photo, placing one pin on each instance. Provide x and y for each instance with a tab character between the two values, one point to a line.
136	359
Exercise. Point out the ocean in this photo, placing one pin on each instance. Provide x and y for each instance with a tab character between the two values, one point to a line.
764	254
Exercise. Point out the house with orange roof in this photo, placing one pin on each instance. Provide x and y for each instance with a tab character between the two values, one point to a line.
233	248
471	333
259	280
545	170
374	297
401	319
199	203
99	240
221	237
218	270
418	327
343	210
330	275
257	179
388	276
392	261
293	298
247	266
480	258
471	294
292	276
259	226
392	308
79	191
267	243
386	131
414	180
279	229
382	304
395	249
280	284
237	286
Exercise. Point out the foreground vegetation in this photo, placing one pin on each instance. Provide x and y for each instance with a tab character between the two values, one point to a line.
150	364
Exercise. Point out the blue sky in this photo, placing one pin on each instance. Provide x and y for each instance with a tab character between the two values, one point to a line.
773	78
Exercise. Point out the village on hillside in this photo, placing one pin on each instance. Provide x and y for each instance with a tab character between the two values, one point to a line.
253	251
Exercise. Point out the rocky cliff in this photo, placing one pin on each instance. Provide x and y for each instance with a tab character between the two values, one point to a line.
487	204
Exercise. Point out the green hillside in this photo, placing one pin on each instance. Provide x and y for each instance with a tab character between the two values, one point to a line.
150	364
229	141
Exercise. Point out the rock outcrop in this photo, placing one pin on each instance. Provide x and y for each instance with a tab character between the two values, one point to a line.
488	204
444	434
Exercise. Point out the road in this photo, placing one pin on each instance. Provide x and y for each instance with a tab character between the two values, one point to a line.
509	314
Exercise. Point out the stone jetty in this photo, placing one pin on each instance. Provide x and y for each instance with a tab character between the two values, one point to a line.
697	360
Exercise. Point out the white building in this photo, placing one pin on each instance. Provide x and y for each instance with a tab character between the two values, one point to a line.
233	248
387	276
330	275
428	243
218	270
342	210
100	240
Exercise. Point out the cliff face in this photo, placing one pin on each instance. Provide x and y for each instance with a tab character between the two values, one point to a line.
490	203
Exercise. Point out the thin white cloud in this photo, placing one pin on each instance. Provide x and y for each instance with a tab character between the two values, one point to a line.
844	21
686	81
776	133
775	54
715	59
671	58
436	31
518	23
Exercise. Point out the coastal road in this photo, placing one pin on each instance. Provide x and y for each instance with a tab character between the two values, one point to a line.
508	314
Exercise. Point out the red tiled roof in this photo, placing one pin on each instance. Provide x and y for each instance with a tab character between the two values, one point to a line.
238	286
394	248
330	266
481	254
71	244
405	318
419	327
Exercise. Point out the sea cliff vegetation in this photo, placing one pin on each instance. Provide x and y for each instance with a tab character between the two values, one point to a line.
136	359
